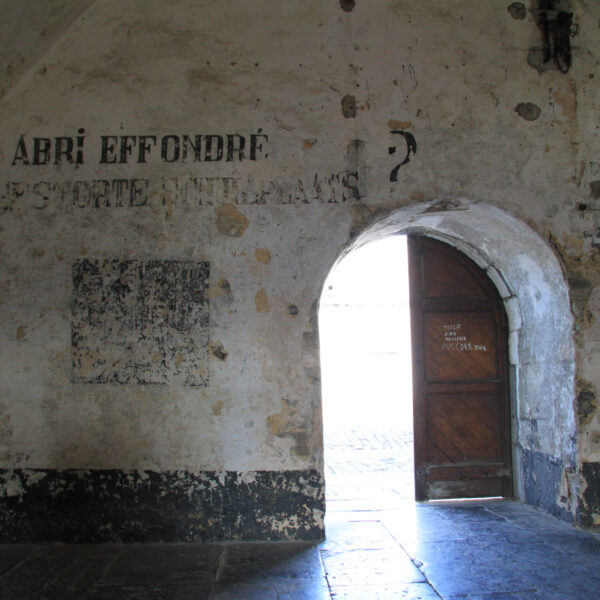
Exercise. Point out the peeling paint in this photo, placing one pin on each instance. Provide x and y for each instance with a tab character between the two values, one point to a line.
223	288
567	99
289	424
528	110
586	400
589	506
112	506
276	423
218	350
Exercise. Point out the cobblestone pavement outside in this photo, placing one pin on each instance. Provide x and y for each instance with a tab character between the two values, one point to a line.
367	469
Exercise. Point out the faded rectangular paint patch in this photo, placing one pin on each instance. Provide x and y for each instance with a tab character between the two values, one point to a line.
140	322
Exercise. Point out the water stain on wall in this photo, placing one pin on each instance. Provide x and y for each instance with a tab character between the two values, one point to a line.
262	255
230	221
287	423
396	124
223	288
262	301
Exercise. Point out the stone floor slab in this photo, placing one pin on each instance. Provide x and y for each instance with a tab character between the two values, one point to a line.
164	592
411	591
529	595
357	535
147	565
57	571
361	567
272	588
11	555
294	560
464	568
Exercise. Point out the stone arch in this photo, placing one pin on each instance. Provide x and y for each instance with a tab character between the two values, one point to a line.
532	285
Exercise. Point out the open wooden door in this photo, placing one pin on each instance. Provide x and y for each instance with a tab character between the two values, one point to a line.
460	376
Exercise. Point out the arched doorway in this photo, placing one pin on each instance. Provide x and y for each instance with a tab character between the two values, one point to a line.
530	282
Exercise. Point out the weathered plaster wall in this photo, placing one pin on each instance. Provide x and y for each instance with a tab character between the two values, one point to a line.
159	295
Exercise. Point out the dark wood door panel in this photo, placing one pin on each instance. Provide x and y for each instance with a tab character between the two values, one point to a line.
468	487
460	376
459	346
443	277
462	428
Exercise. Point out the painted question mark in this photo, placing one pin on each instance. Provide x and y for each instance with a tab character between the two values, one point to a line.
411	148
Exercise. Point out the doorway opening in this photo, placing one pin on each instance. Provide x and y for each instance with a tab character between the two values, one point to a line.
366	370
451	370
541	353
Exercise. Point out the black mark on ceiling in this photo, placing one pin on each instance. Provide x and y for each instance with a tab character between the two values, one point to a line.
517	10
293	310
347	5
349	107
528	110
556	26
